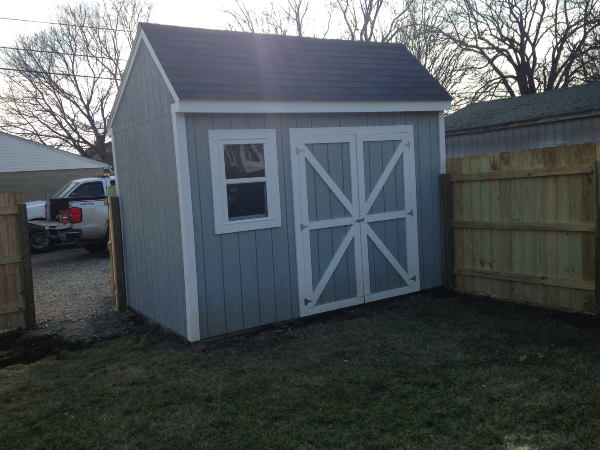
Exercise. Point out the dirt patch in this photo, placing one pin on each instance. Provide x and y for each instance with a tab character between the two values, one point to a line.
26	347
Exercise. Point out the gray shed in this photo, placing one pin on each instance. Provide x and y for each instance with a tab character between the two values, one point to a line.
561	117
264	178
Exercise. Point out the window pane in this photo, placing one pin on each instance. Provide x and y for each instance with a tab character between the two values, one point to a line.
95	189
244	161
247	200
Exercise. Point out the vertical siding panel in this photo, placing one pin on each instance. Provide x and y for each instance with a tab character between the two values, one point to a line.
249	269
193	157
291	121
282	262
264	253
232	294
213	272
424	156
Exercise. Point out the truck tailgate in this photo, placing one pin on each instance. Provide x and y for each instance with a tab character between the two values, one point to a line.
48	225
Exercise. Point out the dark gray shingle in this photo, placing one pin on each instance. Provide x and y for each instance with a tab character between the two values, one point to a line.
560	102
228	65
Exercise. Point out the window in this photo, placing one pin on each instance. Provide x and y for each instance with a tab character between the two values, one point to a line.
244	179
94	189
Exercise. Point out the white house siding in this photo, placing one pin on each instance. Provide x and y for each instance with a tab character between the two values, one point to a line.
509	139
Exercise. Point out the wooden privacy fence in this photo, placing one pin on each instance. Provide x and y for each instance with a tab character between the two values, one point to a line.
524	226
115	246
16	284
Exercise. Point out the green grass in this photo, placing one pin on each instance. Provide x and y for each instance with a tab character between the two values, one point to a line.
426	373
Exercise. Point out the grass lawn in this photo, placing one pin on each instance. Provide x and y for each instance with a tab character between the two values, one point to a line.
422	372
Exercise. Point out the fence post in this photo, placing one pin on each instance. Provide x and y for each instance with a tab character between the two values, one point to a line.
116	250
27	272
447	231
597	235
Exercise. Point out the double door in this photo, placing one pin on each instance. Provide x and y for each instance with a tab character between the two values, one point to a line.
355	215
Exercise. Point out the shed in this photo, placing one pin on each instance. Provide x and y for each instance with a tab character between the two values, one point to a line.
561	117
263	178
38	170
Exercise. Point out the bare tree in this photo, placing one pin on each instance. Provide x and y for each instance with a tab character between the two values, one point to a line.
273	20
525	46
295	12
420	31
63	80
372	20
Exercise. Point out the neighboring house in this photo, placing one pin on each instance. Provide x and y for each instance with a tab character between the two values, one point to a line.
561	117
38	171
263	178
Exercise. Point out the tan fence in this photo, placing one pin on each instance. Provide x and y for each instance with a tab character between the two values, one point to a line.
16	285
522	225
115	245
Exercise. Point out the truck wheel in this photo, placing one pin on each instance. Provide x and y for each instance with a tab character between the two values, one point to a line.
39	242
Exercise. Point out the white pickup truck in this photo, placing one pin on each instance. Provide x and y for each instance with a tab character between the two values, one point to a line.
76	213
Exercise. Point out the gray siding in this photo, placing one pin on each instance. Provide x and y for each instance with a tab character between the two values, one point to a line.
566	132
248	279
147	179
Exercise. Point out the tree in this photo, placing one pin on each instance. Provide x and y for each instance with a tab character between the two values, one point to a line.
63	80
372	20
420	31
525	46
287	19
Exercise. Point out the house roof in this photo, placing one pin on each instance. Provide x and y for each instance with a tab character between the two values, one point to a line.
22	155
228	65
527	108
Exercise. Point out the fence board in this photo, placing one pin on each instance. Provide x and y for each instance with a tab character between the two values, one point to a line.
16	286
524	225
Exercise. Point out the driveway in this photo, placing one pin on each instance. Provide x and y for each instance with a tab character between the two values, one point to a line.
70	284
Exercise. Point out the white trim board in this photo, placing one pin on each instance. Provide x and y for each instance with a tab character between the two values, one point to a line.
292	107
130	63
188	244
442	130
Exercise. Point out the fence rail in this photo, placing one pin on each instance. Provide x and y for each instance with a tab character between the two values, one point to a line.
524	226
16	285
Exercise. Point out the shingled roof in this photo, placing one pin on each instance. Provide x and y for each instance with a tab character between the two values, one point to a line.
228	65
551	104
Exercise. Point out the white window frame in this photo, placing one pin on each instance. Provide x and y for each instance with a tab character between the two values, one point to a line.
217	140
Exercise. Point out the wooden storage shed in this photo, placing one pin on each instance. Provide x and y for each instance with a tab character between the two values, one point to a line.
263	178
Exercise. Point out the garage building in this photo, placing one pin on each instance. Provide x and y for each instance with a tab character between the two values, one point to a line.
263	178
37	170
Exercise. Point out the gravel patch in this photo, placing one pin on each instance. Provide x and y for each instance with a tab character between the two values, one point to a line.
71	284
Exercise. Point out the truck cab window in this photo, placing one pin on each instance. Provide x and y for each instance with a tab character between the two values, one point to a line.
95	189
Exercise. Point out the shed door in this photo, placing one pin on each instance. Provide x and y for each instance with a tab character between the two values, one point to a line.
356	217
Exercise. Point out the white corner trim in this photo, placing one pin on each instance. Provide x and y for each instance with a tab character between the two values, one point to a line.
187	228
292	107
442	143
140	37
114	152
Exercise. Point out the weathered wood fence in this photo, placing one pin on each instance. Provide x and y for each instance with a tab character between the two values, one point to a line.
524	226
16	285
115	245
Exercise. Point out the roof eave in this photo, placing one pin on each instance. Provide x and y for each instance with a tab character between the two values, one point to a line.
297	107
456	132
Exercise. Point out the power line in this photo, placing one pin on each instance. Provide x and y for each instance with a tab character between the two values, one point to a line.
59	53
67	24
56	73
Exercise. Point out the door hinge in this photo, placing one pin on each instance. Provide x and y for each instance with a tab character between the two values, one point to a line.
298	149
302	227
414	278
306	302
408	144
410	213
